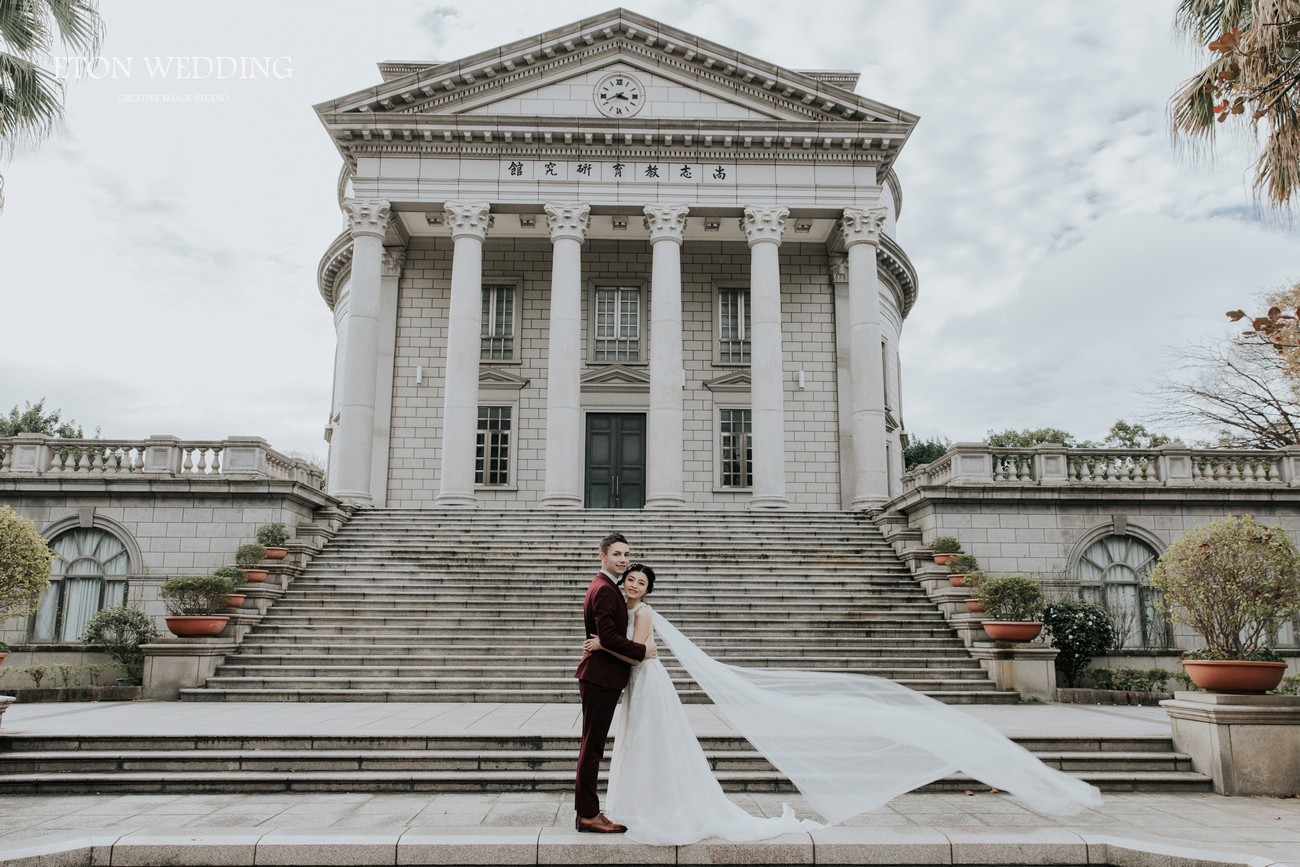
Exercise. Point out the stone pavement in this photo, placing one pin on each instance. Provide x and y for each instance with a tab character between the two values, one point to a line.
535	827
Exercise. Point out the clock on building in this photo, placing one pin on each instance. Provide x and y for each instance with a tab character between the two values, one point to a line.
619	95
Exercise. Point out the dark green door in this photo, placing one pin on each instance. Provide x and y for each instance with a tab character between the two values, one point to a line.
615	460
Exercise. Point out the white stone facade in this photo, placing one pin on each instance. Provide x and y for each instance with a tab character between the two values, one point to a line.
622	157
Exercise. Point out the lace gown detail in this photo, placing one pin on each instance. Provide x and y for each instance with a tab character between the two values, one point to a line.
660	782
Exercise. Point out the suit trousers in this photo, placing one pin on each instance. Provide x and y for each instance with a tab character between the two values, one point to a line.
598	704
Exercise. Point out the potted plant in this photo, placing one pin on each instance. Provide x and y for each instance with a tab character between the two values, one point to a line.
122	631
942	548
247	557
1235	582
193	602
959	567
972	580
4	651
1013	604
273	536
1079	631
234	573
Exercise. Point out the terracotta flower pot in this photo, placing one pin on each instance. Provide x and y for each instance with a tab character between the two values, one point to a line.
959	579
1012	630
255	575
974	606
2	656
276	553
941	559
190	626
1233	675
234	600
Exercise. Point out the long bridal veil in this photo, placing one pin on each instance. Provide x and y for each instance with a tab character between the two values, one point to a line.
852	742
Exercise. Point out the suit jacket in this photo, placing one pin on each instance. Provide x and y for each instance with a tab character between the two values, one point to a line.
605	613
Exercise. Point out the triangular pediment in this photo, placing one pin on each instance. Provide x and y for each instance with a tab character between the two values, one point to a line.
496	378
686	77
735	381
616	377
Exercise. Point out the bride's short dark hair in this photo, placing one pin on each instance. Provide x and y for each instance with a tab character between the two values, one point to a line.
644	570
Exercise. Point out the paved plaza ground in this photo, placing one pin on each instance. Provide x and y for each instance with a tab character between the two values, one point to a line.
528	827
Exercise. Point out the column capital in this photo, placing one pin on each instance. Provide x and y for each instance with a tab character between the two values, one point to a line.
863	225
368	216
839	268
568	220
394	261
468	219
666	222
764	224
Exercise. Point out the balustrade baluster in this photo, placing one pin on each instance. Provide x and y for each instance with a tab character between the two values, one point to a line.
203	461
7	461
188	464
83	461
216	460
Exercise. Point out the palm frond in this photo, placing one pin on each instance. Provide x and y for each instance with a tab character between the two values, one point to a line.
31	101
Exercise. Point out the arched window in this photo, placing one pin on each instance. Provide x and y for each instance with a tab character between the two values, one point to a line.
1112	573
88	574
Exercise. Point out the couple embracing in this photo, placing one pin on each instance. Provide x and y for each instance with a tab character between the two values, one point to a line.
848	742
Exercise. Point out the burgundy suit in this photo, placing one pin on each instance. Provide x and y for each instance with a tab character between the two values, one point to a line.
601	679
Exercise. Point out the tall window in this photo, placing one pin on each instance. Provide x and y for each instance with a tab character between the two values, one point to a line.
88	574
618	324
492	454
737	448
733	326
497	333
1113	574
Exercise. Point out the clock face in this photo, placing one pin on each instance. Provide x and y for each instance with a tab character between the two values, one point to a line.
619	95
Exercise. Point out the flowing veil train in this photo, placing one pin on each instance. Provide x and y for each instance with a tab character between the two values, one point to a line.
852	742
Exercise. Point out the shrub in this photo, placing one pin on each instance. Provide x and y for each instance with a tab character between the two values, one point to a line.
24	564
232	572
4	648
960	564
1080	631
1100	678
37	673
273	535
1011	597
250	555
945	545
122	631
1290	685
1233	581
199	596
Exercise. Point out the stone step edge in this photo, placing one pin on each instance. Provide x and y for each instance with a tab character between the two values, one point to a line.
560	845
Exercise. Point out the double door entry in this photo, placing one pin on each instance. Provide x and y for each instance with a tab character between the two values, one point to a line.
616	449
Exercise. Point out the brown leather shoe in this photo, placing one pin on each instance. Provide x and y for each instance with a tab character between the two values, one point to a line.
598	824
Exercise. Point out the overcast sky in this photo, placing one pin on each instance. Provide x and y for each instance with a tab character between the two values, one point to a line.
158	257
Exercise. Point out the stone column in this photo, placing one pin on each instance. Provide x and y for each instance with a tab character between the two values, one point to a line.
843	375
353	440
568	222
394	261
763	228
867	404
469	223
665	490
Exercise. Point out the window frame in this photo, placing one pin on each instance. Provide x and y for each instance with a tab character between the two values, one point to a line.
118	584
720	449
515	312
643	324
510	450
717	340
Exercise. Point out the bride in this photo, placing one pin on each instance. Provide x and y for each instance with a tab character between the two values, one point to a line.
849	743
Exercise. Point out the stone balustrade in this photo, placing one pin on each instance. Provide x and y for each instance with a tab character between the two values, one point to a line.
40	456
1166	466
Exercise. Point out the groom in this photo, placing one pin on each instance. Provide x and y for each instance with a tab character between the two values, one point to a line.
601	678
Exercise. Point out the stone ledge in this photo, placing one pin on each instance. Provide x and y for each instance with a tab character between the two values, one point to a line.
234	847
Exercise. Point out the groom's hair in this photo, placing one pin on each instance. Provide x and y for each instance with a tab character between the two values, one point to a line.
644	570
610	540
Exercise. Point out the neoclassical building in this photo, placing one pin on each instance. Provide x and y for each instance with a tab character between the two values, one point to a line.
616	265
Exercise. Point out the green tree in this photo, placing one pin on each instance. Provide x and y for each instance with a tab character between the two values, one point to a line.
1123	435
31	94
24	564
920	452
1253	74
1028	438
34	419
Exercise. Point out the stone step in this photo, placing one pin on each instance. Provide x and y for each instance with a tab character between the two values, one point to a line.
962	693
442	668
736	655
561	683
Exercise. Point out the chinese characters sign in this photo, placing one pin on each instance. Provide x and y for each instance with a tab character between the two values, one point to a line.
621	172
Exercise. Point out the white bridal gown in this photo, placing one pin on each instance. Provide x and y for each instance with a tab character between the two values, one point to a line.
849	742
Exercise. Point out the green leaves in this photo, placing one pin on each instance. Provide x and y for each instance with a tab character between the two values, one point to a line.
24	564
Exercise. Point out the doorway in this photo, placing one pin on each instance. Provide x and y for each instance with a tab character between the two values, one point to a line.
615	460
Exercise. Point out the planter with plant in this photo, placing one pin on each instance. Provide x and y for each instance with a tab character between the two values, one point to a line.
122	631
1080	631
1235	582
234	573
273	536
1013	605
193	602
971	581
942	549
247	558
960	566
4	651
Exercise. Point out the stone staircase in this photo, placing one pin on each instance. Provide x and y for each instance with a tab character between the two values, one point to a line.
482	606
471	763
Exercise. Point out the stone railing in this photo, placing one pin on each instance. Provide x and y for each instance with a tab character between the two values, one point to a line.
36	455
1166	466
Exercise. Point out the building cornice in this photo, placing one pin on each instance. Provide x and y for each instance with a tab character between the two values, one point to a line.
334	266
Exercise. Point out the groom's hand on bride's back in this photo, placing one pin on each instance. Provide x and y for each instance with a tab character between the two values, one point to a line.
651	652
